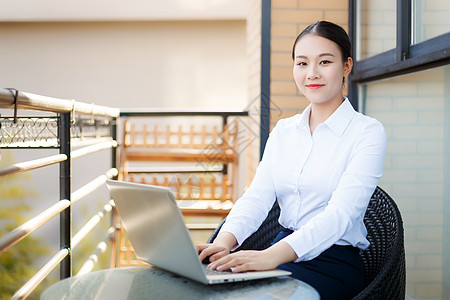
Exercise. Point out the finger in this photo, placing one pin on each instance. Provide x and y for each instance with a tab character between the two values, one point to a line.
218	255
208	251
226	262
203	254
219	262
238	262
241	268
201	247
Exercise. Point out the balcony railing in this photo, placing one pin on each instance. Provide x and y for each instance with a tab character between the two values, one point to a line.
71	123
68	124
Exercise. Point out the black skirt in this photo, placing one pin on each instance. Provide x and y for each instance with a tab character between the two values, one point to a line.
337	273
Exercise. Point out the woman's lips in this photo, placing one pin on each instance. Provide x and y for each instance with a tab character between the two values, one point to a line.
314	86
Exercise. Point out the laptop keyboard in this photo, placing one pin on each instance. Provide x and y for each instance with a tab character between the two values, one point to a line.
208	271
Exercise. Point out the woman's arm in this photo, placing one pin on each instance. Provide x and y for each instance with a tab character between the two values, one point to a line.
251	209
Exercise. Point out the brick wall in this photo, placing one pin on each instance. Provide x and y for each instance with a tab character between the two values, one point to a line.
289	18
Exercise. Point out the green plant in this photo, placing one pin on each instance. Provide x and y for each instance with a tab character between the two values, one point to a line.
17	263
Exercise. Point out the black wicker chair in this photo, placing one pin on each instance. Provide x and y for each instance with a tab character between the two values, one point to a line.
384	260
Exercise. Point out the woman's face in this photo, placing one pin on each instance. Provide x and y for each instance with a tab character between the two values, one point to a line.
319	69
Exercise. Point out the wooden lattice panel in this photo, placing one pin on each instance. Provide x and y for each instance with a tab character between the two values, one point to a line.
180	138
203	167
188	186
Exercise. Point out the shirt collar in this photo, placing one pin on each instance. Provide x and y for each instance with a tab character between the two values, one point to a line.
304	118
337	122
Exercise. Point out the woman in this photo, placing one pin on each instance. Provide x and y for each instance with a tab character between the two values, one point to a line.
322	166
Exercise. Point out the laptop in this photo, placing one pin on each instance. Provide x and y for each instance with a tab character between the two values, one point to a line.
159	236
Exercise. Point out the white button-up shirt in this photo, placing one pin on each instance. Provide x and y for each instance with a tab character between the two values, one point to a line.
323	182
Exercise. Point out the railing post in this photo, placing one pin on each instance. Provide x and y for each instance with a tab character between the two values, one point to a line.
114	216
114	137
65	223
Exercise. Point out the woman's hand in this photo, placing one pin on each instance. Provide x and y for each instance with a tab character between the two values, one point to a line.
245	260
221	247
248	260
212	251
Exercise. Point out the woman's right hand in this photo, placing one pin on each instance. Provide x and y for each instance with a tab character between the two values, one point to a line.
213	251
221	247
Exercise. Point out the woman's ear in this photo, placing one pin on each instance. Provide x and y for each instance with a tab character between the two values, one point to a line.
348	65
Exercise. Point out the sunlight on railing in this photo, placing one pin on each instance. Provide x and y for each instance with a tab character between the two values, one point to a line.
68	128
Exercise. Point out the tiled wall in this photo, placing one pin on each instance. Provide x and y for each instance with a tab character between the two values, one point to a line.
377	30
431	18
415	110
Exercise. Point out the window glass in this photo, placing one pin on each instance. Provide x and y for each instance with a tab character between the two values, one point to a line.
376	27
415	111
430	18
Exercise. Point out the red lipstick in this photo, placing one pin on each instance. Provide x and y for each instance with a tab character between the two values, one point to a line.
314	86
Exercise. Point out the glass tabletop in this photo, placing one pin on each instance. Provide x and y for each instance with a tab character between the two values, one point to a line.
153	283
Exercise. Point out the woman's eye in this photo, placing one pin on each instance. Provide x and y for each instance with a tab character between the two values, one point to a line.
324	62
301	63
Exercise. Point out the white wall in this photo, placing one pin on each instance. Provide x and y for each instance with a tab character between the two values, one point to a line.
199	64
128	64
87	10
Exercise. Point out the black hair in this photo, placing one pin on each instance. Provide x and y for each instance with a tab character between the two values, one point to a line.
330	31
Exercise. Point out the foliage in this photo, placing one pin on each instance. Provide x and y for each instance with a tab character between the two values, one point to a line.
17	263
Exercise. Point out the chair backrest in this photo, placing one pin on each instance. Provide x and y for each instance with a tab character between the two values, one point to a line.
263	237
384	259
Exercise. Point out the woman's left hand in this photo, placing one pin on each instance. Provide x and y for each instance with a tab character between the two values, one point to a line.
250	260
245	260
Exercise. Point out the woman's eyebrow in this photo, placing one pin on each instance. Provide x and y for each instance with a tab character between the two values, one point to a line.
320	55
326	54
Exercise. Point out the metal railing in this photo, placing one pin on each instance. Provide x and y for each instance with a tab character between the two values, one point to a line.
70	124
76	124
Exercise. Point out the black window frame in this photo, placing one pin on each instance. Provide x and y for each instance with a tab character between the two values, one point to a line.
266	23
405	58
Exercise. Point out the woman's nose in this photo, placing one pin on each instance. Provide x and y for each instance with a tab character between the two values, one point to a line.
313	72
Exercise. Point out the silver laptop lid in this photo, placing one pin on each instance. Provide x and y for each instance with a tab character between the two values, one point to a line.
159	236
156	228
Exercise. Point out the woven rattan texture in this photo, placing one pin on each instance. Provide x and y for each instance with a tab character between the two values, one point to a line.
384	260
263	237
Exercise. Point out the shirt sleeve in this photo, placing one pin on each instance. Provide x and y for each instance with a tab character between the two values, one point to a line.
345	210
249	211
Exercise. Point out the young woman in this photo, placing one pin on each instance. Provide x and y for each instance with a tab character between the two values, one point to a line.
322	167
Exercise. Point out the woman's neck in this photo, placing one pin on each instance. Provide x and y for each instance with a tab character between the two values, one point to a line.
320	112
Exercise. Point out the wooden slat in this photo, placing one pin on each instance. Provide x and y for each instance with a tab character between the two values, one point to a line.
163	139
205	212
182	157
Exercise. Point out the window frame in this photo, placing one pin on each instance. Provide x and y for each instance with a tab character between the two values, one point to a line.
405	58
